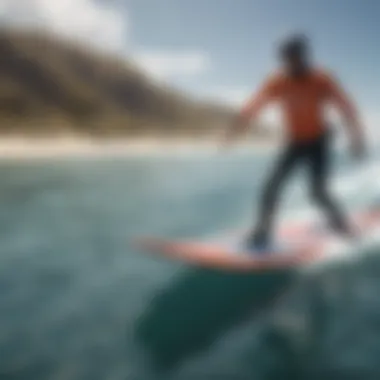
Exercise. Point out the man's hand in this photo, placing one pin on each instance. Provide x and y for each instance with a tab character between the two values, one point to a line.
358	145
233	132
358	149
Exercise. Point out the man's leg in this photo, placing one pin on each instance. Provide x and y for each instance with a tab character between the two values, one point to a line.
320	161
270	196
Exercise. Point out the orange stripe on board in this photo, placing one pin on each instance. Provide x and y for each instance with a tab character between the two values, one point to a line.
212	256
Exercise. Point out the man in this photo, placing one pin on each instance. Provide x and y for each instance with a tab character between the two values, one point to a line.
302	92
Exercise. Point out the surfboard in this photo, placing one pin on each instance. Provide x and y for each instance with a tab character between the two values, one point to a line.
297	243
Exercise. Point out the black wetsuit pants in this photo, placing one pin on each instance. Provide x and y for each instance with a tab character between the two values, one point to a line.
316	156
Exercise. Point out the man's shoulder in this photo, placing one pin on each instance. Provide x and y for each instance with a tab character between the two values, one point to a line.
323	75
276	77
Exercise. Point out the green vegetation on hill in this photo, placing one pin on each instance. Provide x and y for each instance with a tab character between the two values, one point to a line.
50	86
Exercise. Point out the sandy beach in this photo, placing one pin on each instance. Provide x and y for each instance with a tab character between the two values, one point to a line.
68	147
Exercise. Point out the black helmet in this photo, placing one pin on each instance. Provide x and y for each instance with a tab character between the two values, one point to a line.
295	45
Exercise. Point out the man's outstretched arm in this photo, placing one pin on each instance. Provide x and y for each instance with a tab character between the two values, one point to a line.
351	118
250	111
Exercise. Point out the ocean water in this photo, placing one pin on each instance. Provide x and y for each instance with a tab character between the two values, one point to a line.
78	301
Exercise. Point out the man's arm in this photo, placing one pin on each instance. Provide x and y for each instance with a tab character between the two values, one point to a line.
341	100
251	110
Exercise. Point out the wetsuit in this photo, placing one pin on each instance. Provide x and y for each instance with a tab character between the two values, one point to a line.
302	100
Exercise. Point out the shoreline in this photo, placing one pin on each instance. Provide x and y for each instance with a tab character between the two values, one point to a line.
76	147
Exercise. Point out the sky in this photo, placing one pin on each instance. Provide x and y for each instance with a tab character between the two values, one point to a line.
220	49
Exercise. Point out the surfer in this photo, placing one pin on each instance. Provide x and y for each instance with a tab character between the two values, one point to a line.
302	90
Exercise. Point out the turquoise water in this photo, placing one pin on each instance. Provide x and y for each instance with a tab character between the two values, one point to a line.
78	301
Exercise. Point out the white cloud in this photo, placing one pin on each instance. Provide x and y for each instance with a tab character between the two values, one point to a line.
166	65
90	21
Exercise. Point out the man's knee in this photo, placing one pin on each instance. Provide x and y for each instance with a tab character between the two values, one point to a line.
319	195
271	191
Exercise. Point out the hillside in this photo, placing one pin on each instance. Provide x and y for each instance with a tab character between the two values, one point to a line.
49	86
